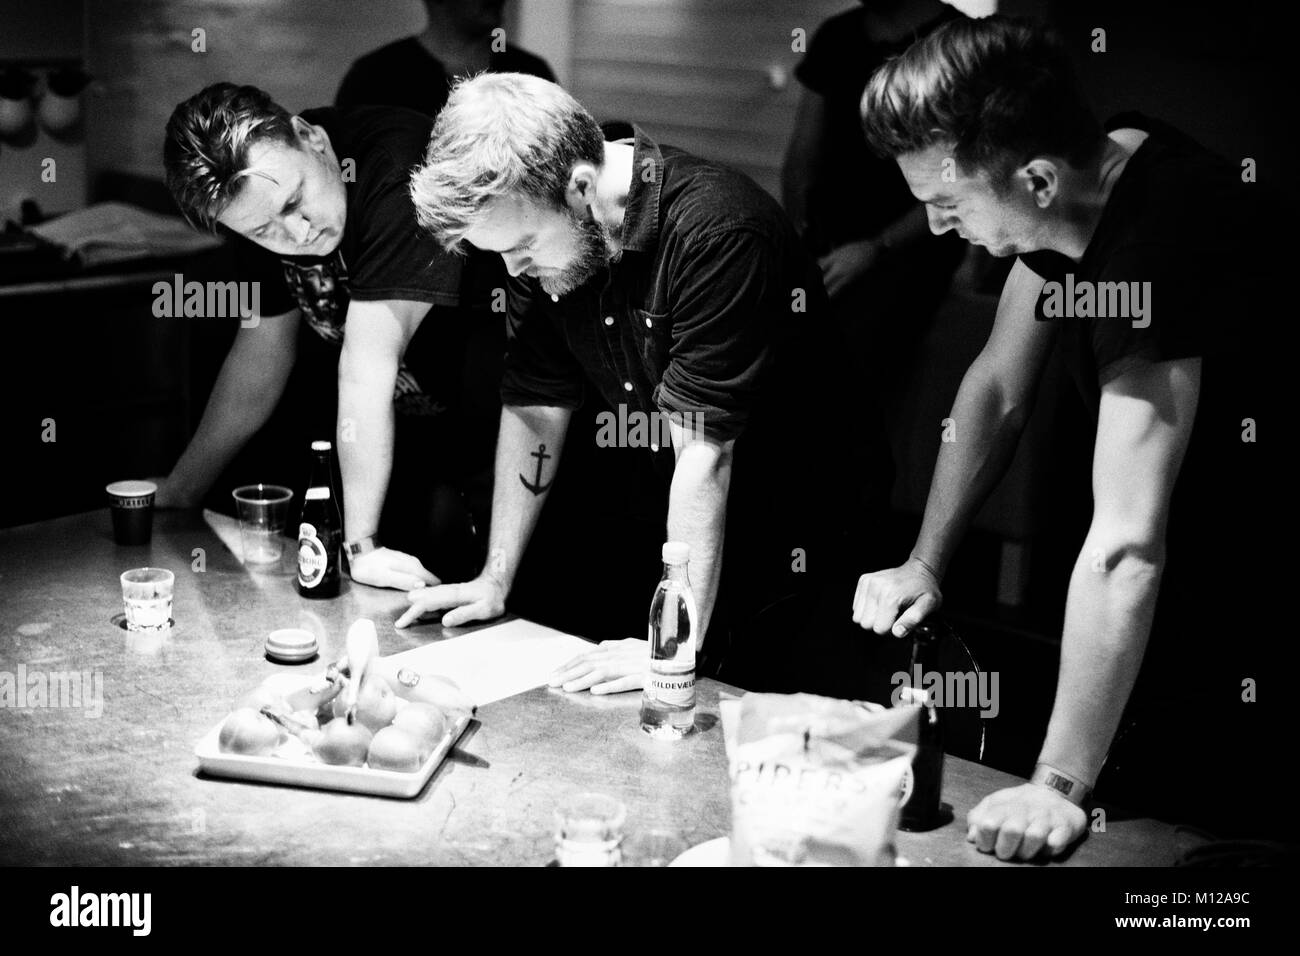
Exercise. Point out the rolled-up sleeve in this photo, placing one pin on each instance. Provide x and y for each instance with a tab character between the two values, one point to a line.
726	300
539	368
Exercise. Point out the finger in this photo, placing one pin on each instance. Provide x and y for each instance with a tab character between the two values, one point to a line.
571	671
1058	840
478	611
914	615
570	664
886	614
412	566
1031	844
630	682
592	677
440	598
869	604
859	598
409	616
1010	834
986	831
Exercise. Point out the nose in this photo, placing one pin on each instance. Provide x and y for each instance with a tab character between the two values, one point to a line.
940	221
300	228
515	264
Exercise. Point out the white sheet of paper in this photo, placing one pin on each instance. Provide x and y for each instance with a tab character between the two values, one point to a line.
499	661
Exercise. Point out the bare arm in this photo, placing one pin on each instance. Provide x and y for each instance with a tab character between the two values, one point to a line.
987	417
803	157
529	435
247	389
697	512
1143	427
375	338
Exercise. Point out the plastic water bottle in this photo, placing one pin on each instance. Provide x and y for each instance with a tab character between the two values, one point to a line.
668	704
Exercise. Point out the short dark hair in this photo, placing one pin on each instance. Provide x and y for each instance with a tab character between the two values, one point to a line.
1001	90
205	151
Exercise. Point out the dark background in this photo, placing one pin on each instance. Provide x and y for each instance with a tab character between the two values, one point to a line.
125	389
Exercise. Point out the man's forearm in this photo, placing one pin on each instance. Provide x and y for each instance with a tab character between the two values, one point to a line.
233	414
978	443
1107	623
365	444
528	452
697	513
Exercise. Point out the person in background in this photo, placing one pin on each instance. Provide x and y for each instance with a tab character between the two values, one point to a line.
340	252
1159	247
417	72
677	289
885	272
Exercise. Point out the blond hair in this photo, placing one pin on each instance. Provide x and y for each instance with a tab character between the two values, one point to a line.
500	134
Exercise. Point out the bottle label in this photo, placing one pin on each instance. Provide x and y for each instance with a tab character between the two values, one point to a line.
907	786
676	690
312	556
318	493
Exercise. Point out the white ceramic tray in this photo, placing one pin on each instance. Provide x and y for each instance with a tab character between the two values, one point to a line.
295	767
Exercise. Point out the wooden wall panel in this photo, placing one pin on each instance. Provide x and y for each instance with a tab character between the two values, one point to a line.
695	73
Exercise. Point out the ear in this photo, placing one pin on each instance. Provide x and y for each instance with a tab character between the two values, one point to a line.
580	192
1040	178
311	137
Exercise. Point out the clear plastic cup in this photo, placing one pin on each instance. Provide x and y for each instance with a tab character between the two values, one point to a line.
147	599
589	830
263	511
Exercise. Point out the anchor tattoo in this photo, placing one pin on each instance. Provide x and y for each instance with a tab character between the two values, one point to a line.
536	487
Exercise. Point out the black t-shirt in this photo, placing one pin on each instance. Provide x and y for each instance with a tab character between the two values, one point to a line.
383	253
857	193
404	73
1186	239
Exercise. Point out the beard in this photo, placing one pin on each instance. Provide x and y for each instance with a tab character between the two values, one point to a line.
593	240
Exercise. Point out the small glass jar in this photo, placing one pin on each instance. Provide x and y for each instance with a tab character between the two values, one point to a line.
589	830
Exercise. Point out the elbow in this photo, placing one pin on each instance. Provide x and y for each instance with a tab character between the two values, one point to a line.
1132	559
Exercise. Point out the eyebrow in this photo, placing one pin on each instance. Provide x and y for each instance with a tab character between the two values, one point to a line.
527	240
287	203
941	198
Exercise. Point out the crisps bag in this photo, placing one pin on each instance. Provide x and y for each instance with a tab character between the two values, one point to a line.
815	781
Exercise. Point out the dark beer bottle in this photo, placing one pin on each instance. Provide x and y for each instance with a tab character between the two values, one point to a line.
320	532
923	809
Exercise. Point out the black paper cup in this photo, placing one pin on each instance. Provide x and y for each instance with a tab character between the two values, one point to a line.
131	504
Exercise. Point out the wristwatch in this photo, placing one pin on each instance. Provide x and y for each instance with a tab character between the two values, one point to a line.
362	546
1072	788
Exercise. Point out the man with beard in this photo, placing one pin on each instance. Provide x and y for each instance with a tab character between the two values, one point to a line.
677	289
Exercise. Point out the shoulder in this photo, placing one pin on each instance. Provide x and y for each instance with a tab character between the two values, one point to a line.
390	139
381	60
518	60
704	201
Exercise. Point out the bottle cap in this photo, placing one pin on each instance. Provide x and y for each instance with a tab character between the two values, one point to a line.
676	552
291	645
321	446
915	695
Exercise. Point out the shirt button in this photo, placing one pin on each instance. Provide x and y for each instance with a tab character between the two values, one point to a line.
627	386
649	324
609	320
654	447
555	298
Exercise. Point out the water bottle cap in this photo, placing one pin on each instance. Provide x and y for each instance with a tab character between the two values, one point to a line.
915	695
676	552
321	446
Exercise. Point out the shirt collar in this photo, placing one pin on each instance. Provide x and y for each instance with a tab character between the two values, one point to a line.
641	214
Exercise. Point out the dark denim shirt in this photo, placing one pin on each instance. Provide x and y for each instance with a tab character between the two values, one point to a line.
689	320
